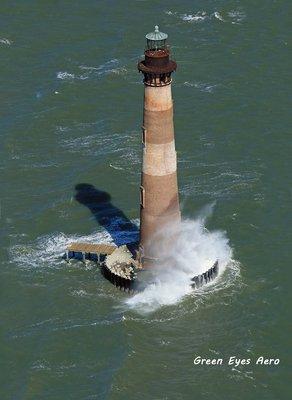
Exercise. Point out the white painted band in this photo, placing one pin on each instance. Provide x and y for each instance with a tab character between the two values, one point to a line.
157	98
159	159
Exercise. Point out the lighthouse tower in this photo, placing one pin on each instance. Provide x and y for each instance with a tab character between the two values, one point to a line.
159	201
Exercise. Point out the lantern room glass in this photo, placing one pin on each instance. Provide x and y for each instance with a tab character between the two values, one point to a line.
156	40
156	44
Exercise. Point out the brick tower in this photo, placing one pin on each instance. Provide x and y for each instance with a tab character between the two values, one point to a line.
159	201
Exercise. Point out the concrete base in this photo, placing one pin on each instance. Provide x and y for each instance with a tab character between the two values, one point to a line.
122	267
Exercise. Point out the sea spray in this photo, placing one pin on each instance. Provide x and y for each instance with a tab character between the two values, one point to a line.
191	253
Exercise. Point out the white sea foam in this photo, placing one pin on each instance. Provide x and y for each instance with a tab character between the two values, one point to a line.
197	17
65	75
99	143
5	41
47	251
200	16
219	16
194	251
237	16
80	293
218	182
109	67
94	140
203	87
233	16
115	167
105	68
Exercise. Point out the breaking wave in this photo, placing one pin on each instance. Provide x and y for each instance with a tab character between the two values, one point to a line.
193	252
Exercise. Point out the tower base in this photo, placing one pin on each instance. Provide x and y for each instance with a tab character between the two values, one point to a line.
122	266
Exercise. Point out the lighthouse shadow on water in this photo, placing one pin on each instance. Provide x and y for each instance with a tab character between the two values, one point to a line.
121	230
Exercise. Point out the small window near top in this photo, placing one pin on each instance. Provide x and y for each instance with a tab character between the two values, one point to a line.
144	135
142	196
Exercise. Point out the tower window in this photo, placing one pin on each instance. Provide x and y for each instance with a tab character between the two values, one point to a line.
142	196
144	131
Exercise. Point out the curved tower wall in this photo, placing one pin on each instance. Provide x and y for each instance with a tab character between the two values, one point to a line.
159	200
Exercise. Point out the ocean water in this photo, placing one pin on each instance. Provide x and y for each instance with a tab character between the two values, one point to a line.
72	103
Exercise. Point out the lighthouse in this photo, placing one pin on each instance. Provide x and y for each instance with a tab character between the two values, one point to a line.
160	218
159	200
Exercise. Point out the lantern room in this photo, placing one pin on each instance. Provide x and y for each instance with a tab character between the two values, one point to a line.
156	40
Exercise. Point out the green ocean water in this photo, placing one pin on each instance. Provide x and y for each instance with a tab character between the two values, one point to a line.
71	111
